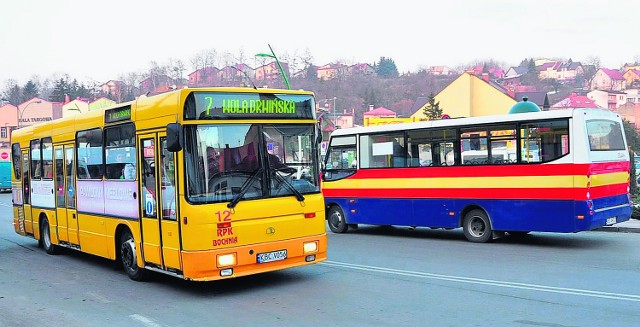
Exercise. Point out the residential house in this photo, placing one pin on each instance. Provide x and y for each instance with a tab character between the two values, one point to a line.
74	107
379	112
547	70
631	113
471	96
271	71
331	71
440	71
157	84
513	77
632	77
542	61
116	89
207	76
626	67
562	72
516	72
101	103
36	110
360	69
8	123
344	120
608	99
607	79
495	73
568	71
575	101
540	98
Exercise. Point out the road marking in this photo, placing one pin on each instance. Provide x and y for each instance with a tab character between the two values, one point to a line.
480	281
144	320
98	297
6	205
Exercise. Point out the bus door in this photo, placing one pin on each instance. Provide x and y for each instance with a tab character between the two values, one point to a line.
65	194
26	189
160	230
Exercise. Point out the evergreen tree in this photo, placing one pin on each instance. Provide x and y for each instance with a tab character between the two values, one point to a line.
60	90
386	68
14	95
29	91
432	110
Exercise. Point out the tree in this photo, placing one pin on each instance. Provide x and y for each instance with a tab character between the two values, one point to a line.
29	91
386	68
12	93
432	110
60	90
590	69
531	77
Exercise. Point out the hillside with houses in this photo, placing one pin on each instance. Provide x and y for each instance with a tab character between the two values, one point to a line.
349	95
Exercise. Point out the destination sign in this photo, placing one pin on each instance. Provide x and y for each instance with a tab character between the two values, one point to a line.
218	105
117	114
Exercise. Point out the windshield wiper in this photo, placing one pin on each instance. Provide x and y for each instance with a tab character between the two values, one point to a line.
291	188
244	188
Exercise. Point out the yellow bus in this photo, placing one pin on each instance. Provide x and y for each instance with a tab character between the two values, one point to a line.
201	184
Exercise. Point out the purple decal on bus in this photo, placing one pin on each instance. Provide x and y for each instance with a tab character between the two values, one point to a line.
120	198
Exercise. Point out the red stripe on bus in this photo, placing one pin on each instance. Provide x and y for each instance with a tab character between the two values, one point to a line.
578	194
494	171
439	193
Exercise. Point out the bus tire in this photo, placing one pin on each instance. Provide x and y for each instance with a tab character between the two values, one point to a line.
477	226
129	257
45	236
336	220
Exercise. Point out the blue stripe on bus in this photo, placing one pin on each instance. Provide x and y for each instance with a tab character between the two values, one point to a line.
505	215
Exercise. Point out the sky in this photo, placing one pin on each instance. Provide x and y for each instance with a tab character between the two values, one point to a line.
95	41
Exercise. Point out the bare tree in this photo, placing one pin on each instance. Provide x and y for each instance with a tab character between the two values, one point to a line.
176	69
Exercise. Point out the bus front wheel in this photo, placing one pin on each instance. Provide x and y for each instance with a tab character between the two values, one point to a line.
477	227
129	258
336	220
45	236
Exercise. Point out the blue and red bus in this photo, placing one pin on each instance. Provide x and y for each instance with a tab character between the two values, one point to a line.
552	171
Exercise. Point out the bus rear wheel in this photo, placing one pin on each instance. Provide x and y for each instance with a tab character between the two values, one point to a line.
45	236
336	220
129	257
477	227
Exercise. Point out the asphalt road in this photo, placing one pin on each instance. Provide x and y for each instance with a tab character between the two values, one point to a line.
374	277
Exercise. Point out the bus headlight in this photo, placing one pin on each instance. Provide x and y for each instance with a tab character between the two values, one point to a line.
226	260
310	247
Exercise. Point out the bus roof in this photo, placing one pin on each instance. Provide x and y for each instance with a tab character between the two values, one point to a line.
142	108
467	121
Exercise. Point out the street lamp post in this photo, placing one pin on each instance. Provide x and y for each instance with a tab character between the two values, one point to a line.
331	112
21	112
273	55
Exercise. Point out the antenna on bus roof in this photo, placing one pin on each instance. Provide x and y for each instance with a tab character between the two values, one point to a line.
245	75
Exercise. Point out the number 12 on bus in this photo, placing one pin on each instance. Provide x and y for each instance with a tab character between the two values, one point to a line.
553	171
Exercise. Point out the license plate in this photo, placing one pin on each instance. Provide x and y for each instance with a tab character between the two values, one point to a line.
271	256
611	221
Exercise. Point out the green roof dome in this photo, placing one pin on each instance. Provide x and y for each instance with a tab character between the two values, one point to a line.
524	106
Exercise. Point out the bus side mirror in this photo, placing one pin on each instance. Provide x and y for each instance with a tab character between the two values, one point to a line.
174	137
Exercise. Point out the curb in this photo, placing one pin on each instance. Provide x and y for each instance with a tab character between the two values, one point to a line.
618	229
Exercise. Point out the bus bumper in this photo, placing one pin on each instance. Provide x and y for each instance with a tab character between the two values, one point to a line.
202	265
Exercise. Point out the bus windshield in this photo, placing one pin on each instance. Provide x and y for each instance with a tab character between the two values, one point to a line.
249	161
